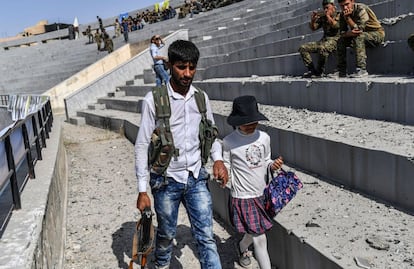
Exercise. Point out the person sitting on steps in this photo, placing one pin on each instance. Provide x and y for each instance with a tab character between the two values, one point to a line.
359	27
328	21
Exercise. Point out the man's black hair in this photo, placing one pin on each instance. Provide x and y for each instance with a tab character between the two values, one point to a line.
184	51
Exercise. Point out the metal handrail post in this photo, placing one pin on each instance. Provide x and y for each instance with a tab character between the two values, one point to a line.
29	158
13	179
37	139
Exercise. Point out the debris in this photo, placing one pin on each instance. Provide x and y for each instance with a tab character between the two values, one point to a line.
377	243
312	224
362	262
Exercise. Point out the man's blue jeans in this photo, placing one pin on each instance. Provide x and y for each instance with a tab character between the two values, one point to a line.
195	196
161	75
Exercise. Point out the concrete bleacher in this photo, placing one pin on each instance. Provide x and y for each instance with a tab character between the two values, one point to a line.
351	181
289	61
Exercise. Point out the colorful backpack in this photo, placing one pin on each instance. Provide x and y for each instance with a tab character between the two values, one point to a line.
280	190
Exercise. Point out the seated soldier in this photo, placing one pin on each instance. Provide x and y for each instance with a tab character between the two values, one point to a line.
98	39
328	21
359	27
108	43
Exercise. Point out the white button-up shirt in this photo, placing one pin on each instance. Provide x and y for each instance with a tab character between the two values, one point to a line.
185	119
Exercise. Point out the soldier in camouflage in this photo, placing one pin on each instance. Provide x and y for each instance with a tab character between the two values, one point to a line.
411	41
359	28
98	39
328	20
108	43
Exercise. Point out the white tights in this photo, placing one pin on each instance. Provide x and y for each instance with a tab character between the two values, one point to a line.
260	248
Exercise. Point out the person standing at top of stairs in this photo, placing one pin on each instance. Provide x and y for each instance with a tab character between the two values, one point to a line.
161	75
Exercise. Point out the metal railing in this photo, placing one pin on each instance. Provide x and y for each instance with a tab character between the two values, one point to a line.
20	148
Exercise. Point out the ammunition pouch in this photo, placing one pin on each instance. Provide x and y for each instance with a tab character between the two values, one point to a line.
207	135
161	150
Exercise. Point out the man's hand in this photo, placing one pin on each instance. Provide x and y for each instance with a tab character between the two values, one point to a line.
315	15
352	33
220	173
143	201
348	11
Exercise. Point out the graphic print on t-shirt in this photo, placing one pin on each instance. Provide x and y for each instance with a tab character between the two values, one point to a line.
254	154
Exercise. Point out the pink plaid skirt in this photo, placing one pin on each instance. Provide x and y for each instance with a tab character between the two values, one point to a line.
249	215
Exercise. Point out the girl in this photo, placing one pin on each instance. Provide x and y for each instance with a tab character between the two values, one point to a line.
247	154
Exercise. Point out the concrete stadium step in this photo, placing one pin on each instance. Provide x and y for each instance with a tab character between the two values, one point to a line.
43	77
266	15
125	103
377	98
397	30
109	118
339	223
301	21
387	98
291	64
208	20
323	136
46	69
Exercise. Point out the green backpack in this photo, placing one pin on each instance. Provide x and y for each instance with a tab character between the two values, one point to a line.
161	148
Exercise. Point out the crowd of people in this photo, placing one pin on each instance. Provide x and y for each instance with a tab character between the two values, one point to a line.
196	6
126	24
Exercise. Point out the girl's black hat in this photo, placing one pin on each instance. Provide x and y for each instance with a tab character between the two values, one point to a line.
245	111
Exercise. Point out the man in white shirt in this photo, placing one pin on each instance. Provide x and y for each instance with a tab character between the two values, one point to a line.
186	178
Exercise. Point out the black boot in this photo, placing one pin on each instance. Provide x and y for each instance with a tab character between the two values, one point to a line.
311	72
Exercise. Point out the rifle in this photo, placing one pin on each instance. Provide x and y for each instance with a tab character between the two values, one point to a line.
142	244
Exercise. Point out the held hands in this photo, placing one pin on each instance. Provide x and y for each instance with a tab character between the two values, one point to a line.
220	173
277	164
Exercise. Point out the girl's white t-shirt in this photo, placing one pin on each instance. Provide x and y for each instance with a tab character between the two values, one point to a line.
247	158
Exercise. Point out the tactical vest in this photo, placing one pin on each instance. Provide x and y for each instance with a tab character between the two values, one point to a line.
162	148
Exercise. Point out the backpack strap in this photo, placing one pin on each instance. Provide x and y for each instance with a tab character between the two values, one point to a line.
162	110
201	102
207	131
163	114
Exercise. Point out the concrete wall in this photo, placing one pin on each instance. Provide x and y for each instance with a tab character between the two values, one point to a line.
34	236
284	247
359	99
117	77
91	73
357	167
49	252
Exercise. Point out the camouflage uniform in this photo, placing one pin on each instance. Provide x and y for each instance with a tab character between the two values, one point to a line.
109	45
89	33
411	41
373	35
323	47
98	39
